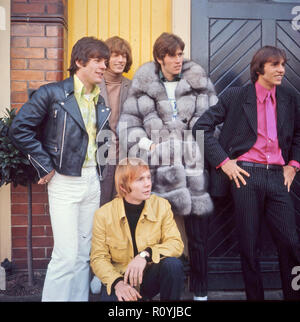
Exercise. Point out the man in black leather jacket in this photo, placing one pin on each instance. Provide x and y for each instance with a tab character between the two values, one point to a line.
57	130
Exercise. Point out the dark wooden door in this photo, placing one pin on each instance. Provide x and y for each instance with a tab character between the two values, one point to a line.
225	35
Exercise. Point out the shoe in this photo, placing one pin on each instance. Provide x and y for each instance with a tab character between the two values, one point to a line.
200	298
95	285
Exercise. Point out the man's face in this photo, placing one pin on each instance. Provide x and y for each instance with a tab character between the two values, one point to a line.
140	188
92	73
117	63
172	65
273	73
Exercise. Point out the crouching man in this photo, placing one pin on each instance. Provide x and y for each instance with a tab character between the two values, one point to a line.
136	242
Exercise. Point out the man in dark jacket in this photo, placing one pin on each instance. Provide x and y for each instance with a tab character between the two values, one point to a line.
57	130
258	150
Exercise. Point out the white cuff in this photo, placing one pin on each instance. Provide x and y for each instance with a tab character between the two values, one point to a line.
145	143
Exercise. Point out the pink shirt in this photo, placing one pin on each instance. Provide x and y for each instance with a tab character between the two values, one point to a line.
264	150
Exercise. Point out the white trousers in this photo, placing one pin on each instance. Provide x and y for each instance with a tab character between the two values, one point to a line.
72	204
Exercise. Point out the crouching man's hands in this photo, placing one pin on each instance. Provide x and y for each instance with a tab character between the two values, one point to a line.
126	292
134	275
135	270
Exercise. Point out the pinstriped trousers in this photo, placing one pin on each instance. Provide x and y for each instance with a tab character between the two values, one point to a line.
266	195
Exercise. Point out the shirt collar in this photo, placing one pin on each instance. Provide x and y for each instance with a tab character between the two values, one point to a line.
262	93
146	212
79	88
163	79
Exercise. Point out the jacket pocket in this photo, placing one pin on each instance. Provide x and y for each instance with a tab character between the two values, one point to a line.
153	240
119	250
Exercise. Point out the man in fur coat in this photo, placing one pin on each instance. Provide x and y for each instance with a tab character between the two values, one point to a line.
166	98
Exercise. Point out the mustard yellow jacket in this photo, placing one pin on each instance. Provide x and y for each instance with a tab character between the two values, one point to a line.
112	248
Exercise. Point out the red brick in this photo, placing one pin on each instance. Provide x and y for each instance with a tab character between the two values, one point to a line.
27	75
18	220
18	242
27	52
36	252
20	264
40	263
38	209
19	188
18	42
55	8
54	31
54	76
52	1
41	220
42	241
38	231
19	198
46	42
45	64
39	253
48	252
49	231
39	197
19	231
27	30
28	8
38	187
18	86
18	64
36	85
19	97
19	253
19	209
55	53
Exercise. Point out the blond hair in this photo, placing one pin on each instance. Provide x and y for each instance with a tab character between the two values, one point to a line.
128	170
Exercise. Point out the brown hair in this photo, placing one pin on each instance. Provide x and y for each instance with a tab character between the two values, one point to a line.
85	49
120	46
127	171
262	56
166	43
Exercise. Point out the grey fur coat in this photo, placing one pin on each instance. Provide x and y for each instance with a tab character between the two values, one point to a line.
177	163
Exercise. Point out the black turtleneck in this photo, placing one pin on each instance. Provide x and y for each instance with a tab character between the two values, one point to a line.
133	213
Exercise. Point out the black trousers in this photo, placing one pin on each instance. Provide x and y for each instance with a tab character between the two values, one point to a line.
266	195
196	228
166	278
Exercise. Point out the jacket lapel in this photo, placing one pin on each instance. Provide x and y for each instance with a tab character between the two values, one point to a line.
250	107
281	107
70	104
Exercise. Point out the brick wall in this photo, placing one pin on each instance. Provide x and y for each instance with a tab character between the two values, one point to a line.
38	52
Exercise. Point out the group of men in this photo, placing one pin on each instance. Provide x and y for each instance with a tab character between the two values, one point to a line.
75	131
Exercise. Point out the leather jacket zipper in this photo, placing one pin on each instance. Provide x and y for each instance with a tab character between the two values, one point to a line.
63	140
30	158
99	168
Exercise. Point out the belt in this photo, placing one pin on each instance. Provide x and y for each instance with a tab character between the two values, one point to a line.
260	165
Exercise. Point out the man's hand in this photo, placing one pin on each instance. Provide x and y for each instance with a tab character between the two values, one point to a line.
125	292
134	271
289	175
234	172
47	178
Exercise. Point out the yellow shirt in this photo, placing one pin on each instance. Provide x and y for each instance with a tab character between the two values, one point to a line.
112	247
86	104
